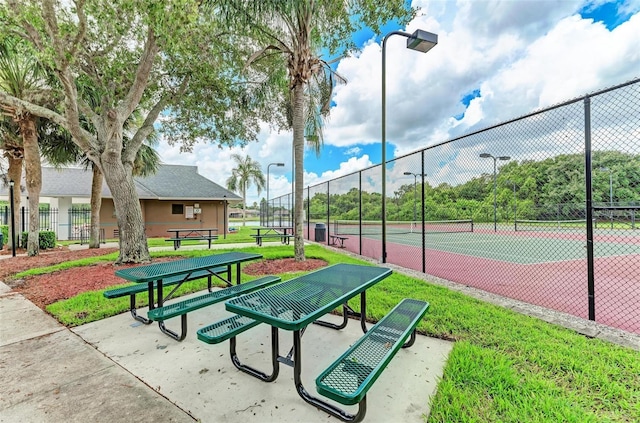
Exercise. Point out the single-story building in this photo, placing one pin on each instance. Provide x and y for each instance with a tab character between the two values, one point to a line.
175	197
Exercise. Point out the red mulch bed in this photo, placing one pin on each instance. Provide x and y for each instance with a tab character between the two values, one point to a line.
46	289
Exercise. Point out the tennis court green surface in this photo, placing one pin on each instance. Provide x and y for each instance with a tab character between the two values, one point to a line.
510	248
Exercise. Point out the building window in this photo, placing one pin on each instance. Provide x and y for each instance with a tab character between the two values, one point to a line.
177	209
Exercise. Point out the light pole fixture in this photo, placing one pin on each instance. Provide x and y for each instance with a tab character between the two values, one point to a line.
13	218
415	181
421	41
495	204
269	165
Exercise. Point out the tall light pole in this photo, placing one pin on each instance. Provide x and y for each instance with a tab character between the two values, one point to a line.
415	181
515	204
606	169
268	166
495	204
421	41
13	219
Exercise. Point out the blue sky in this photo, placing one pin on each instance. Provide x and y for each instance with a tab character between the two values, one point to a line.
489	53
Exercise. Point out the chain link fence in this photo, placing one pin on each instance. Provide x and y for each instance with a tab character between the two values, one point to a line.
542	209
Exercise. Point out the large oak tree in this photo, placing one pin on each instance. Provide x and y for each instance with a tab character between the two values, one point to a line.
155	56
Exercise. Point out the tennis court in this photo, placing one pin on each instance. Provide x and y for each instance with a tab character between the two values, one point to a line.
514	248
546	267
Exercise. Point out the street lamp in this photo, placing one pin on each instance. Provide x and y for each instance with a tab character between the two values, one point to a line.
606	169
421	41
495	205
415	180
269	165
13	219
515	204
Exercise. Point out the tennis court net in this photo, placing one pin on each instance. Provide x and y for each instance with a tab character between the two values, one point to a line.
374	227
550	225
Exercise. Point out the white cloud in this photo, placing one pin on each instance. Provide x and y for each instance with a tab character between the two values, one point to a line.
521	55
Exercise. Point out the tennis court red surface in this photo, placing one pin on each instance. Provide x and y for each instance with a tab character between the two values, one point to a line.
560	285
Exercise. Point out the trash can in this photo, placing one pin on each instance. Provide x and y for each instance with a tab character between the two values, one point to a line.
321	232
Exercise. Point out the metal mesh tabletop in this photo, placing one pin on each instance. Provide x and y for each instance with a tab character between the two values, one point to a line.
157	271
294	304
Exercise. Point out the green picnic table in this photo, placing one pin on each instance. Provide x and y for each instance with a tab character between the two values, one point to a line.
298	302
154	274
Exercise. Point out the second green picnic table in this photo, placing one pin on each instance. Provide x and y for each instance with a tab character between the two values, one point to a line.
154	274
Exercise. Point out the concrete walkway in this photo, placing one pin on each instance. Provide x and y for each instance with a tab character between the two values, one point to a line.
50	374
118	370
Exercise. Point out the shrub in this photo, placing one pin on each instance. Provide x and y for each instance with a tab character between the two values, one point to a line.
4	230
46	239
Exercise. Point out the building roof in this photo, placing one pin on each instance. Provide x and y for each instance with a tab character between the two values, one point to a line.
170	182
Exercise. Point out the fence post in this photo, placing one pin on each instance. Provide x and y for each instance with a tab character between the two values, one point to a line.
328	214
424	240
588	188
360	210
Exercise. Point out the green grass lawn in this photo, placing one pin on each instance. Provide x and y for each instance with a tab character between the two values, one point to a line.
504	366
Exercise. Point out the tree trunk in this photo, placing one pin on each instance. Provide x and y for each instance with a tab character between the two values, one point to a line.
96	203
298	154
133	240
15	174
244	206
33	174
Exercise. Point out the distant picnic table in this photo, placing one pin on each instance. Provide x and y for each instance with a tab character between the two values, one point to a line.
192	234
284	233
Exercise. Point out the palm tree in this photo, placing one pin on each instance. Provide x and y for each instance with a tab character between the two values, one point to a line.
246	172
11	145
23	77
294	33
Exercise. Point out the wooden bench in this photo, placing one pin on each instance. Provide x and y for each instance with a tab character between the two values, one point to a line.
181	308
284	238
333	240
177	240
350	377
137	288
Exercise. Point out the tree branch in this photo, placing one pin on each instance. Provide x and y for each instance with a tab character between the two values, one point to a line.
134	95
143	132
83	141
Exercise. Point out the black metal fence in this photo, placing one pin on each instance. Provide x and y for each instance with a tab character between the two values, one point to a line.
48	218
541	209
277	211
80	226
78	229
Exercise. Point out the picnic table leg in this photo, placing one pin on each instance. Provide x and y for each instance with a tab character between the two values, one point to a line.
345	319
317	402
161	325
275	351
134	313
237	273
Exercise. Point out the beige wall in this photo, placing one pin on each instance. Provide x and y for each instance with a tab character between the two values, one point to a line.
158	217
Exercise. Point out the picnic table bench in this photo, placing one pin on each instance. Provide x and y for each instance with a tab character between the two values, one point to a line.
349	378
284	233
333	240
182	308
200	234
132	290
